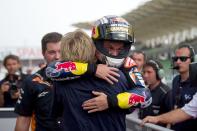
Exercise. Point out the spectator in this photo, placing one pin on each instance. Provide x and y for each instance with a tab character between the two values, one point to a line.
140	58
36	93
10	85
182	91
153	73
189	111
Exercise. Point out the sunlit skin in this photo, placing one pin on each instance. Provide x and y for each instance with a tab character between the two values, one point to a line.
139	59
149	76
183	66
113	47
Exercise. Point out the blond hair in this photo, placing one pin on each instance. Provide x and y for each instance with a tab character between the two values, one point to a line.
77	46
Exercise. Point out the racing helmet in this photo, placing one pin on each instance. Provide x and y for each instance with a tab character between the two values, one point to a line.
112	28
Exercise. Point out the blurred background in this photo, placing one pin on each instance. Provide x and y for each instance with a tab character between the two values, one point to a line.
159	25
24	22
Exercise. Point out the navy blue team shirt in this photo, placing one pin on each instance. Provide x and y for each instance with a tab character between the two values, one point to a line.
36	98
68	99
182	93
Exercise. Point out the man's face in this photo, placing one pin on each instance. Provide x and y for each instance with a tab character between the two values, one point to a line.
114	48
182	64
149	75
12	66
139	59
52	52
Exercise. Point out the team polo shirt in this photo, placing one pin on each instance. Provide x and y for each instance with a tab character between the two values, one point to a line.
36	98
68	99
159	104
191	107
182	93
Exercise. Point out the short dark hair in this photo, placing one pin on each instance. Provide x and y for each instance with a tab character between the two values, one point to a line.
13	57
50	37
190	48
156	65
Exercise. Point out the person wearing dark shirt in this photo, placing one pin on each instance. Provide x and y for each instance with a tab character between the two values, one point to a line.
182	91
36	98
11	84
140	58
112	54
153	73
69	95
188	111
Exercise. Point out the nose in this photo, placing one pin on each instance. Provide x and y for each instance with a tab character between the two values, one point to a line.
57	55
178	61
114	52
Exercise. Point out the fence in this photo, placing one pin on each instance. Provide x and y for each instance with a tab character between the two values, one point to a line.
8	120
133	124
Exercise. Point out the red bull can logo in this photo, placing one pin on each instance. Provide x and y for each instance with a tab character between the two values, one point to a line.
135	99
67	66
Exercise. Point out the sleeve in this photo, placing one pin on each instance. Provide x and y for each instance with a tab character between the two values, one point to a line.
67	70
191	107
25	103
137	94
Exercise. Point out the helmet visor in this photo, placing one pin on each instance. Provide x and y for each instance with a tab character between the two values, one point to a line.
113	49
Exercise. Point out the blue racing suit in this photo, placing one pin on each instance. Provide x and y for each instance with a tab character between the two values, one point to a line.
138	94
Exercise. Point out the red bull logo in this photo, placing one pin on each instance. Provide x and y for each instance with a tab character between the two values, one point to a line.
67	66
135	99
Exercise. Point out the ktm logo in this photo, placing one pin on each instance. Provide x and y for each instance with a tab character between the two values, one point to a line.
39	80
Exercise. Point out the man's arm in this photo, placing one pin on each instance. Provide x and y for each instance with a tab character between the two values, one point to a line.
174	116
136	94
22	123
61	71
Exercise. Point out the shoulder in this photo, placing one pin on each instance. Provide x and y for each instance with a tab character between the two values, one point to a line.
176	79
35	78
164	88
176	82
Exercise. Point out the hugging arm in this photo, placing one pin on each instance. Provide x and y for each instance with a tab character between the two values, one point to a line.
136	95
67	70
